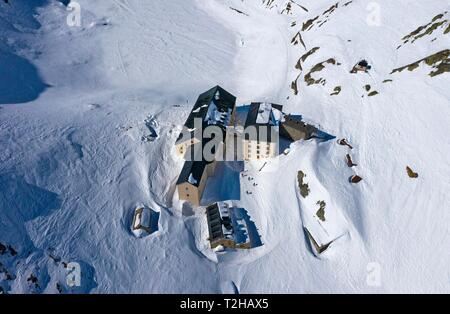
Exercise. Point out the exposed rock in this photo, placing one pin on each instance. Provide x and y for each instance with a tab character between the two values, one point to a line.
33	280
439	61
304	57
321	212
298	39
344	142
239	11
427	29
317	68
304	188
309	24
411	173
294	85
350	162
336	91
321	19
355	179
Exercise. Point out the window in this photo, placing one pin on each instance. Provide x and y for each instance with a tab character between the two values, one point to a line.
187	195
187	188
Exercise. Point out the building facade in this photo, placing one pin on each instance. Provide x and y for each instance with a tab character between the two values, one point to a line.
293	128
221	227
261	133
216	107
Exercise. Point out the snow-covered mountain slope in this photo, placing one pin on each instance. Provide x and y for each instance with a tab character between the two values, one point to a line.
77	102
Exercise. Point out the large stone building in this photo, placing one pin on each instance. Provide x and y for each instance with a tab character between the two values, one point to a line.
216	107
259	139
192	180
261	133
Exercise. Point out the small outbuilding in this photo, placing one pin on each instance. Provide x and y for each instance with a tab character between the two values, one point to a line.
361	66
294	129
261	134
142	221
225	229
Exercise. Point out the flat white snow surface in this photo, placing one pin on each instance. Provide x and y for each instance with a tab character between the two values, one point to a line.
74	162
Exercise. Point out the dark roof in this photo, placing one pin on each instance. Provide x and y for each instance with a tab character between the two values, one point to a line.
252	118
196	165
196	168
225	102
214	222
296	122
253	113
187	135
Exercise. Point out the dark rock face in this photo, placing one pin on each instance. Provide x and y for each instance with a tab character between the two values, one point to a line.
355	179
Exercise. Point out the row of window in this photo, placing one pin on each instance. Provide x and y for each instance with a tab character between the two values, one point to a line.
257	145
182	146
258	155
258	151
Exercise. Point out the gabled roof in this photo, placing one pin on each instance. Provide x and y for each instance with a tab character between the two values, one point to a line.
195	167
261	115
224	102
254	114
298	124
214	222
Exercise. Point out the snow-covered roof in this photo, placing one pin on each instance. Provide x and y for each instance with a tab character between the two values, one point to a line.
191	179
141	221
277	116
224	209
334	224
216	117
264	112
241	235
217	96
